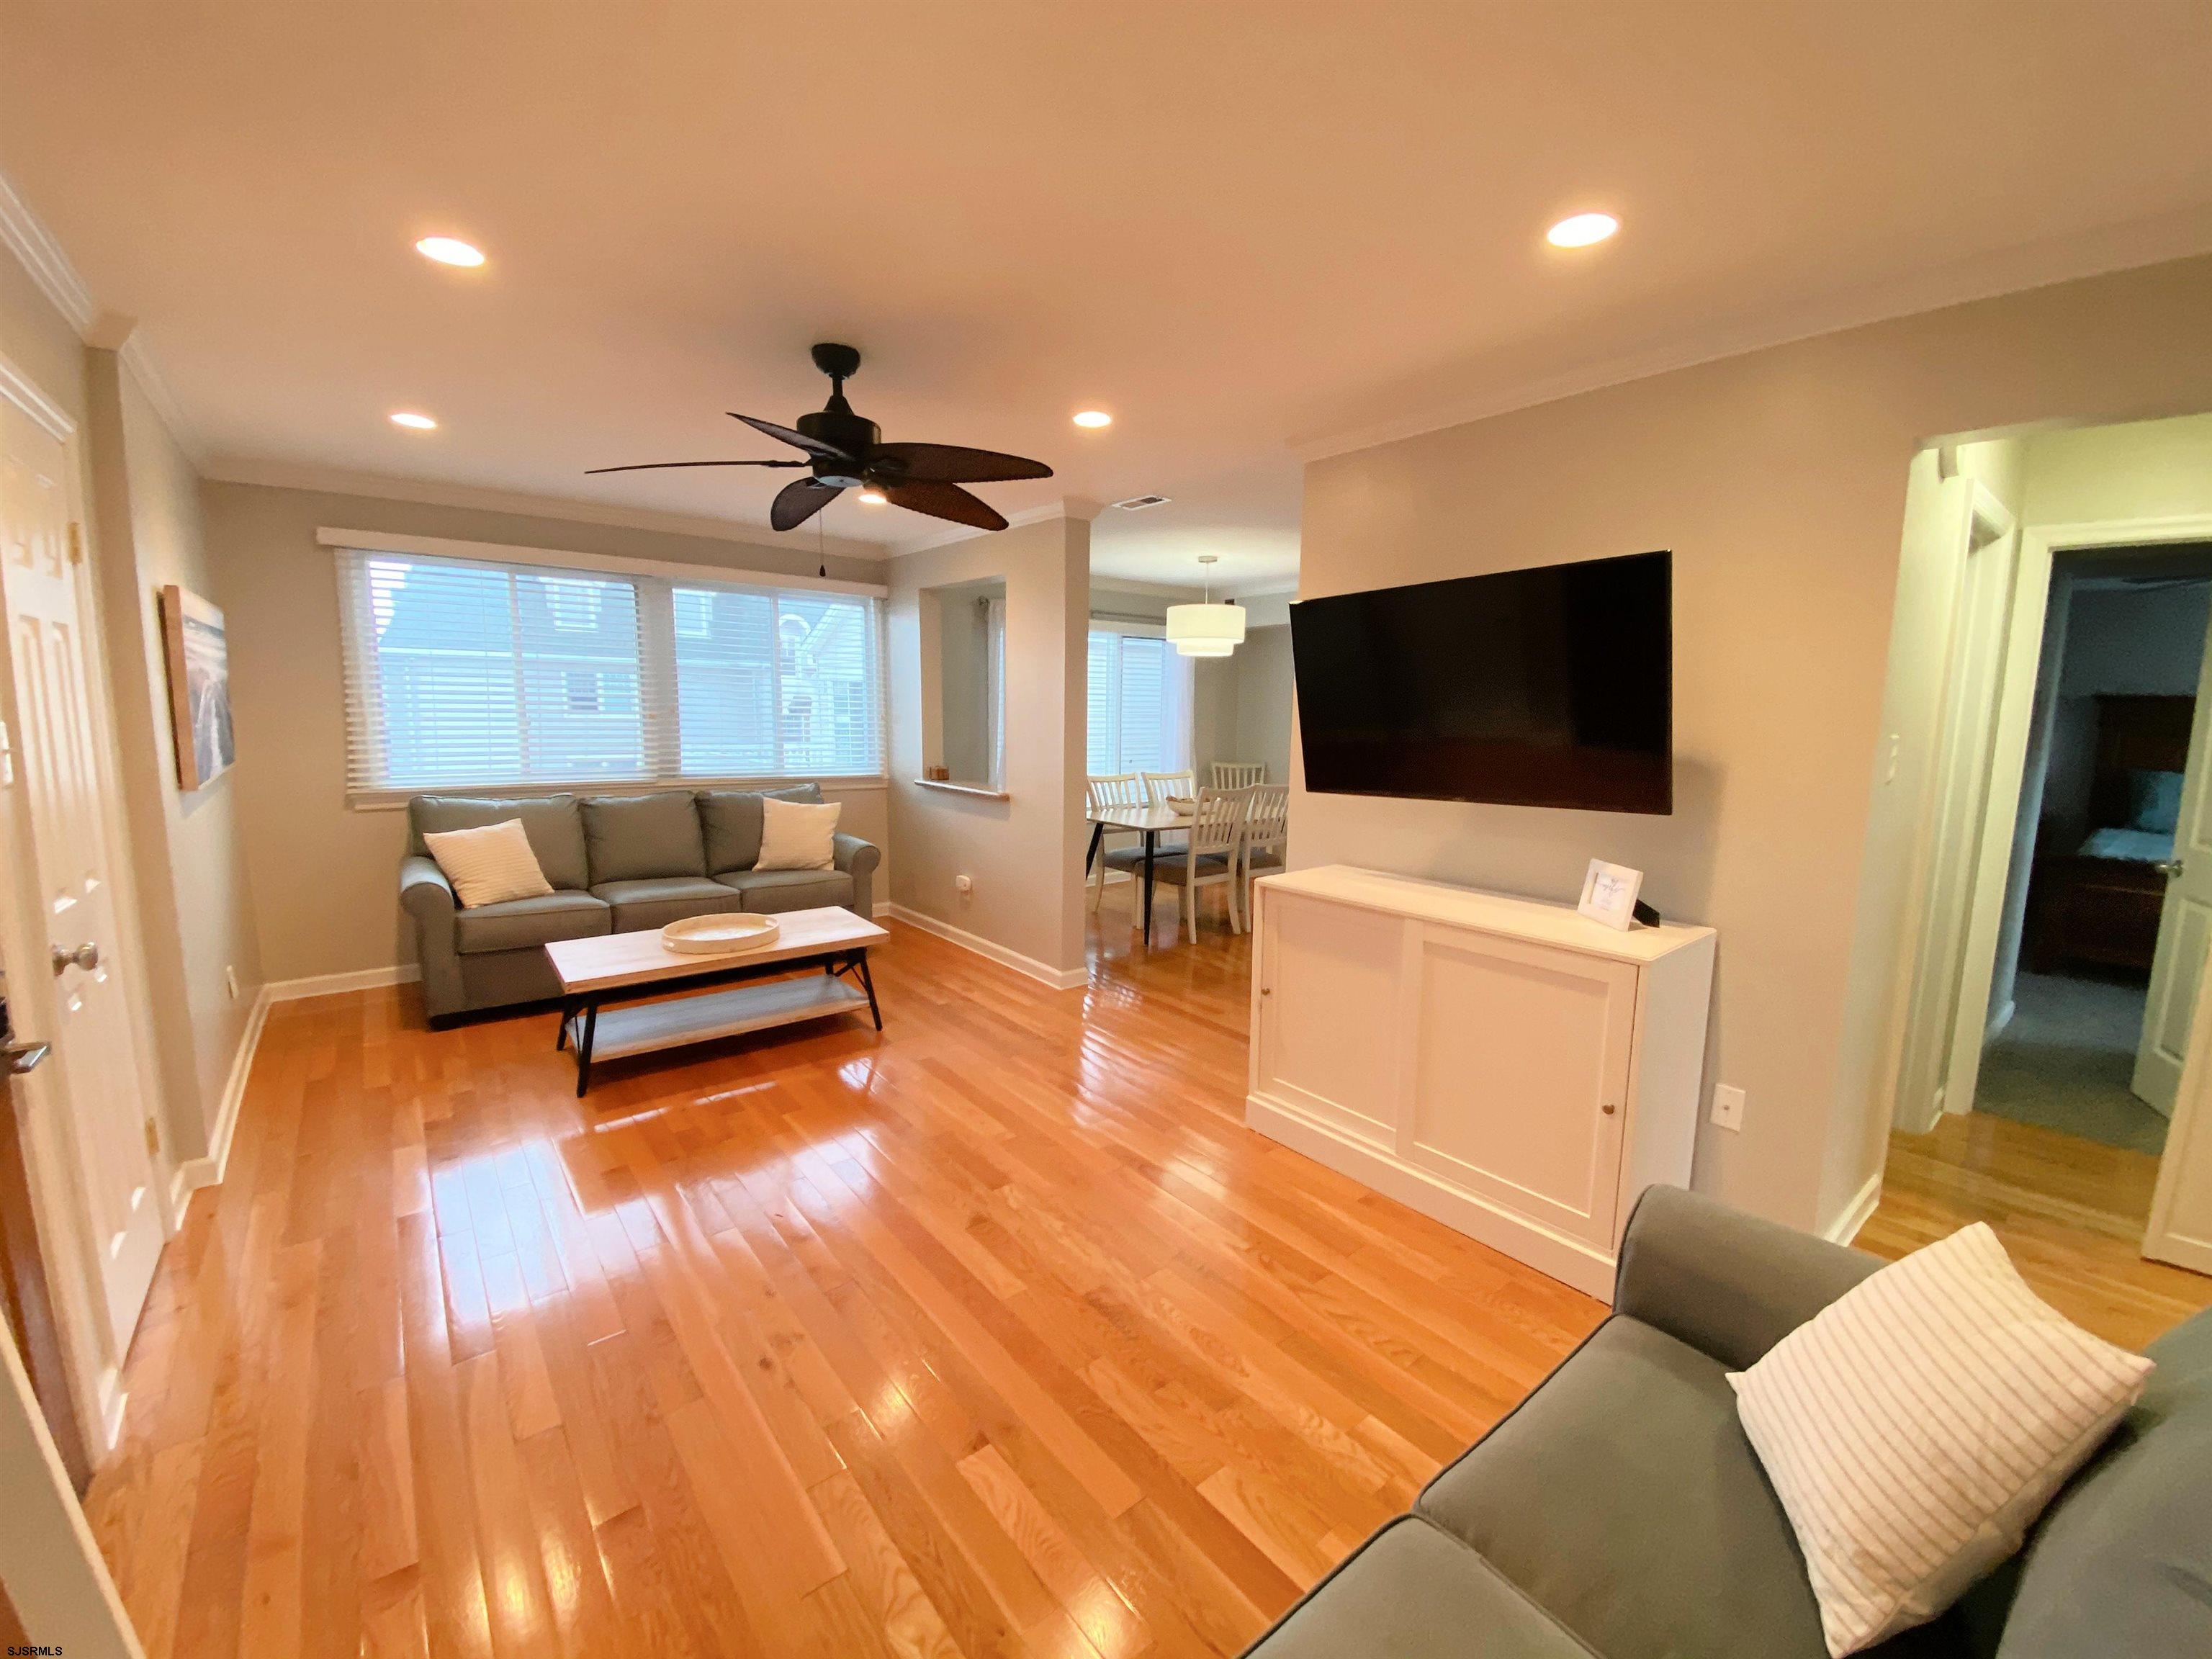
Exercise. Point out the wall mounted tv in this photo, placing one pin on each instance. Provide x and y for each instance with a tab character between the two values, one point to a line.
1550	687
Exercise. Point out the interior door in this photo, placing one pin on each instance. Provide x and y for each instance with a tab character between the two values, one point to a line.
2184	921
89	1117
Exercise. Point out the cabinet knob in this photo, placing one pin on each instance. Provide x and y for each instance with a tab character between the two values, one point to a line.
1608	1108
1267	991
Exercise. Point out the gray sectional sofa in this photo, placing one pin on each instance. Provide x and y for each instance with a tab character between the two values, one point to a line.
617	864
1619	1513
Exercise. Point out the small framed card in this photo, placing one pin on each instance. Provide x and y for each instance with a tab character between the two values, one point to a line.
1609	893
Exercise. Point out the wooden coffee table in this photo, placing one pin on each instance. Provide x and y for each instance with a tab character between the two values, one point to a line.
625	967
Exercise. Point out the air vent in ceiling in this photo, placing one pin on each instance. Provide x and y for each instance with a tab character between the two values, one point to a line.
1138	503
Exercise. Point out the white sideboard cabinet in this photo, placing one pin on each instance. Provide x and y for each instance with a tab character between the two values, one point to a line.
1510	1068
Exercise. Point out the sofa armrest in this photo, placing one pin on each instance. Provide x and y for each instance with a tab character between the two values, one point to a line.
859	860
1729	1285
424	889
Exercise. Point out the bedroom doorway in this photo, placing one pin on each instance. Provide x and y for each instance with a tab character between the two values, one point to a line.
2057	914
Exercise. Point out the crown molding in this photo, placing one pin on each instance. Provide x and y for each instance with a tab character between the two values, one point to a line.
43	259
430	492
1983	276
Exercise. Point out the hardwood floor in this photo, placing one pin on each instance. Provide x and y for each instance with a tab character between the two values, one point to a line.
2070	1212
996	1334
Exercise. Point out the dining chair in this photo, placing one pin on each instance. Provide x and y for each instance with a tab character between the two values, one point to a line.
1267	834
1238	775
1159	786
1207	858
1119	789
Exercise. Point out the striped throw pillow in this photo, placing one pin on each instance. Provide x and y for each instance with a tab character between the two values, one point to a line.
1915	1429
490	865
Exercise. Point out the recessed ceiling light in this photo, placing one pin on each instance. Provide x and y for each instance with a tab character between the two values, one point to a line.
872	498
1582	230
449	250
414	422
1094	417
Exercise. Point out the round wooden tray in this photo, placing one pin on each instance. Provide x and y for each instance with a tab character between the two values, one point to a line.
721	935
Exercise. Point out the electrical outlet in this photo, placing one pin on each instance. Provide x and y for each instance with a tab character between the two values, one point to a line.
1727	1106
230	982
964	885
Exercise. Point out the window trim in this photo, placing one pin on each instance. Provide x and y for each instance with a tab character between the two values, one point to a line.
674	572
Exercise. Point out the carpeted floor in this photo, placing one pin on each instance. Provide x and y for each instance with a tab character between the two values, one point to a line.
2064	1061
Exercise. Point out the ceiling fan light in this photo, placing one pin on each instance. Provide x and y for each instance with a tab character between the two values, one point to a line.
1206	631
872	497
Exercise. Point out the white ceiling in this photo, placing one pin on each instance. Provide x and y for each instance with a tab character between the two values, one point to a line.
1244	229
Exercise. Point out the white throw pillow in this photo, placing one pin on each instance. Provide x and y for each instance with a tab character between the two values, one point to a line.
1915	1427
796	834
488	865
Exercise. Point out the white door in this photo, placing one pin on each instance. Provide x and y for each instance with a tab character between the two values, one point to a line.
1520	1083
89	1117
2185	924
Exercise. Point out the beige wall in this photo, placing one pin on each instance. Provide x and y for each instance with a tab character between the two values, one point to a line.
1264	697
1779	479
324	875
2144	469
197	913
1024	854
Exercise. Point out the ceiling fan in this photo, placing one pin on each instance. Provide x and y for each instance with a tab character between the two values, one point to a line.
846	451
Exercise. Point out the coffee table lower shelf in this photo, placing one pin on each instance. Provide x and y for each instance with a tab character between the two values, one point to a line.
711	1014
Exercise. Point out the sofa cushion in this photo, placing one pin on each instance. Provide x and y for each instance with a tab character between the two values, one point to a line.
1414	1593
552	822
790	890
2121	1564
521	923
660	900
638	837
732	819
1623	1497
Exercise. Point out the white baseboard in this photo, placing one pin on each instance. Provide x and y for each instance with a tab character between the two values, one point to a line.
884	908
1845	1227
1059	979
330	985
195	1173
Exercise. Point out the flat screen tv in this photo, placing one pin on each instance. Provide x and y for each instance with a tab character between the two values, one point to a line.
1550	687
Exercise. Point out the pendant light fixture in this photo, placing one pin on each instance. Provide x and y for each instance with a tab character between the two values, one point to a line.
1207	629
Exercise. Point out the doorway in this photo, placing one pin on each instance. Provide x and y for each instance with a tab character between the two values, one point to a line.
2054	953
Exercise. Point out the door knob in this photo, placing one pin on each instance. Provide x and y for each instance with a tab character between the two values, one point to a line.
17	1058
86	955
2170	868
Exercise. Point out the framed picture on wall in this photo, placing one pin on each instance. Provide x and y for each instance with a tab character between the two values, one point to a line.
198	657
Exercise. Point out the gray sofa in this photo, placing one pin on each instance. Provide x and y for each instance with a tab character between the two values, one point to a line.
1619	1512
617	864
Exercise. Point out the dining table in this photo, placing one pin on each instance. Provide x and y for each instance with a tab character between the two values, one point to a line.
1151	823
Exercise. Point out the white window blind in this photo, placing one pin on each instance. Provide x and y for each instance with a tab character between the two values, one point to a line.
460	672
1138	704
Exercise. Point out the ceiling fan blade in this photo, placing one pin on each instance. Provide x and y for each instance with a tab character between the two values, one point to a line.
950	463
799	501
656	466
796	440
944	500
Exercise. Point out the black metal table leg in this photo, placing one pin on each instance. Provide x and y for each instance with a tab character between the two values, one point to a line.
860	960
1091	858
561	1032
1151	840
584	1048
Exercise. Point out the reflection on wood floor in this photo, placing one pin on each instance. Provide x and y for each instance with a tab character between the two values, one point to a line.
2070	1212
997	1334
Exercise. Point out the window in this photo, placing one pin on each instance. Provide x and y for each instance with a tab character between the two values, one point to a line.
1139	703
463	673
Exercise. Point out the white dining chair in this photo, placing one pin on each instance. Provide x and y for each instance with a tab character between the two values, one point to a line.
1237	775
1207	857
1121	789
1160	785
1266	833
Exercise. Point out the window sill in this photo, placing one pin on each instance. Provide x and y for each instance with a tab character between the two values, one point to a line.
981	791
395	800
